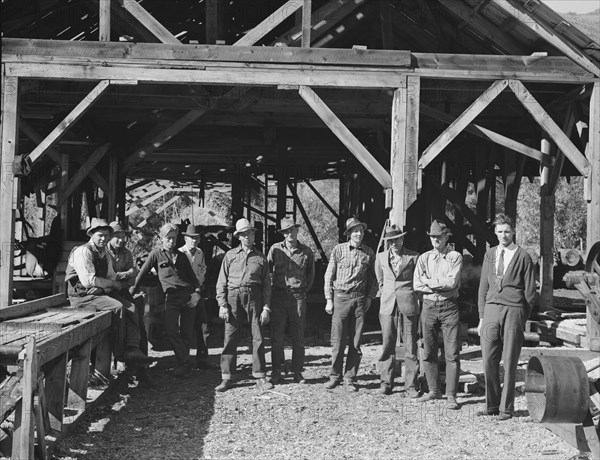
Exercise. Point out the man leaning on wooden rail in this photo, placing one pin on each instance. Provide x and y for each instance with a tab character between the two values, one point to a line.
92	282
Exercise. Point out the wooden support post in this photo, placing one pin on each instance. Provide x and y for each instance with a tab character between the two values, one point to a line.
104	356
56	380
63	210
213	21
24	422
148	21
104	20
306	25
8	184
404	148
309	226
113	186
513	172
83	172
593	207
547	209
282	183
78	380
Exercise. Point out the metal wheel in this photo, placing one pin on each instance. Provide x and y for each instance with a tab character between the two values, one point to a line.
592	263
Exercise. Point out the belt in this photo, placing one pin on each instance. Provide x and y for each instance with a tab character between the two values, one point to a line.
245	288
351	295
290	290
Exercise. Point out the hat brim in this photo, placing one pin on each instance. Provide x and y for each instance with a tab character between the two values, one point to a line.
242	230
192	235
281	230
361	224
91	231
447	232
393	237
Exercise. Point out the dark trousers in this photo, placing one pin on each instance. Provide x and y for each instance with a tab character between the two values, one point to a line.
289	311
246	307
180	314
501	338
387	360
435	316
202	331
346	328
128	322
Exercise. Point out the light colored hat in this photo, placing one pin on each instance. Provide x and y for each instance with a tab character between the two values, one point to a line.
242	226
98	224
354	222
393	232
287	224
439	228
193	231
118	228
166	229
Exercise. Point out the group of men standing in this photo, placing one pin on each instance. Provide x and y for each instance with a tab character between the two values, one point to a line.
417	293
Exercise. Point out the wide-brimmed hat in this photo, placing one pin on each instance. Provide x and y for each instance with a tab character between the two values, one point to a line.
242	226
287	224
193	231
98	224
353	222
439	228
392	232
118	228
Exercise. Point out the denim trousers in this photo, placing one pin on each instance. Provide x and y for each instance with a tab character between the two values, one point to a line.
289	312
180	314
346	329
442	315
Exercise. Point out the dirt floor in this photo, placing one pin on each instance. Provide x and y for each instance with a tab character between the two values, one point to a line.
186	419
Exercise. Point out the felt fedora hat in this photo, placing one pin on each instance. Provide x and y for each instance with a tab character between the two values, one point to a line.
392	232
118	228
439	228
287	224
242	226
353	222
98	224
193	231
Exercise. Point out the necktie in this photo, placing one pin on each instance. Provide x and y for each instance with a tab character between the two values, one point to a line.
193	251
500	267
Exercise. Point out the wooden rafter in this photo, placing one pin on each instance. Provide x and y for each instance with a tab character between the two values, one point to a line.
104	20
346	137
550	126
306	23
148	21
69	120
461	122
269	23
490	135
567	128
544	31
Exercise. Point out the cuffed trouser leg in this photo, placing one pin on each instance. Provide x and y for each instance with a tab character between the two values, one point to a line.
431	327
356	321
410	331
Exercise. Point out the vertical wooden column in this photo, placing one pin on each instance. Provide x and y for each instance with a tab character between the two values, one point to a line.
547	209
56	380
237	198
593	207
306	25
64	207
404	150
113	185
104	20
78	380
282	184
23	434
8	185
214	20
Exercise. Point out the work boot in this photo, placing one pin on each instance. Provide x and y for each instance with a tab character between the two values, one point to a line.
135	356
224	386
385	389
332	383
276	378
263	384
412	393
350	386
205	364
144	379
299	378
429	397
451	403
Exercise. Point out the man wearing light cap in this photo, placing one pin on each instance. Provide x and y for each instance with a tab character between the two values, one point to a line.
293	267
350	286
92	282
244	296
181	290
395	268
437	278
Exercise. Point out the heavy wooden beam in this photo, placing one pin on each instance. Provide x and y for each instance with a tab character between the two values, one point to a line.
548	125
269	23
104	20
69	120
404	148
163	136
306	23
461	122
148	21
83	172
544	31
345	136
555	172
547	211
213	21
490	135
8	184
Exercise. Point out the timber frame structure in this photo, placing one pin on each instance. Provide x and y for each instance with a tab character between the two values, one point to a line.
407	103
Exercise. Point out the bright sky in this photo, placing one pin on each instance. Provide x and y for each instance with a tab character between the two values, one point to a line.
576	6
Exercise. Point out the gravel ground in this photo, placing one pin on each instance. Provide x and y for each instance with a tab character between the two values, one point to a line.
185	419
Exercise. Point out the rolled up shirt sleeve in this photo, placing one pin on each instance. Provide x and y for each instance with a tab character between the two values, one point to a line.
330	275
420	277
221	286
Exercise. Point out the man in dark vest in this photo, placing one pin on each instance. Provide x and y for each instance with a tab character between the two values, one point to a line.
92	282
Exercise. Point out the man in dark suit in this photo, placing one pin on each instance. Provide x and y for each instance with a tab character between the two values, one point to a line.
394	268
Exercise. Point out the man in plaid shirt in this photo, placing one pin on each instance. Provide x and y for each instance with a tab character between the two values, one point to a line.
350	285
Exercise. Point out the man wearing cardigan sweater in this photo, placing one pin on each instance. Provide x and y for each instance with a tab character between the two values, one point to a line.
506	295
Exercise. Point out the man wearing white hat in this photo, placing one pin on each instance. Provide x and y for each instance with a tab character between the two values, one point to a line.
244	296
394	268
350	285
293	267
437	278
92	282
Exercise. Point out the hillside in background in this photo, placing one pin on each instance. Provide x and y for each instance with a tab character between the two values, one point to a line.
589	23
